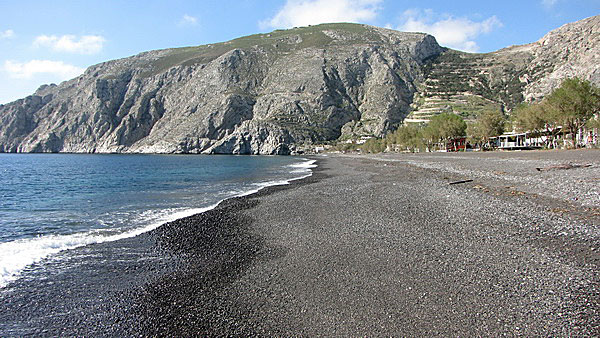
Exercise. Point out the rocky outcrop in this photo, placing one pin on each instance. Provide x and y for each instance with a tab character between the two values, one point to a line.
572	50
276	93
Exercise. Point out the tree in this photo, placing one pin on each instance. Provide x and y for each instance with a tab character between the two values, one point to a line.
593	123
576	101
443	128
409	137
476	136
527	117
374	145
538	118
488	124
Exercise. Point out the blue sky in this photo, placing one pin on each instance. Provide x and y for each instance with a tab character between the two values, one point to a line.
52	41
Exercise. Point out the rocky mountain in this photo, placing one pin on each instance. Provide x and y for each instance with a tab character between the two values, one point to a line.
466	83
280	92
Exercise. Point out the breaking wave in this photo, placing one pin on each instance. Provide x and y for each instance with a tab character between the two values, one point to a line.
17	255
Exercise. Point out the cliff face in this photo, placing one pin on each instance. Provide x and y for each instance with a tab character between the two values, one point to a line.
569	51
275	93
260	94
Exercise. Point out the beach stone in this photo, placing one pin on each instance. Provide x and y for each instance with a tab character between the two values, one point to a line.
358	249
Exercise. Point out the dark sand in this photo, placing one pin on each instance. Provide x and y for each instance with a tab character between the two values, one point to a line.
366	246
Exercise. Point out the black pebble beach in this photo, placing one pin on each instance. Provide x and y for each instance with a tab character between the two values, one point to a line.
367	246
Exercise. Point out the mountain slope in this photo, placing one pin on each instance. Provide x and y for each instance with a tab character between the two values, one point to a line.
467	84
258	94
279	92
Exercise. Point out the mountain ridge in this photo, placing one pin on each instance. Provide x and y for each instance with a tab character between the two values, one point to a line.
280	92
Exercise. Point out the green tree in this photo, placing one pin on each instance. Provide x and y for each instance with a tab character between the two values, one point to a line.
409	137
374	145
474	133
443	128
527	117
575	102
488	124
538	118
594	122
345	147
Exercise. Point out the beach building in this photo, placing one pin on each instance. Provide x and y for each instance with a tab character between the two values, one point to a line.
510	141
526	140
457	144
549	138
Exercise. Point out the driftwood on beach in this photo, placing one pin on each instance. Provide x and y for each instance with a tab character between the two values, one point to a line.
563	166
460	182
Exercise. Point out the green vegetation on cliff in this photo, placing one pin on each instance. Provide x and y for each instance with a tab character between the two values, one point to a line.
274	44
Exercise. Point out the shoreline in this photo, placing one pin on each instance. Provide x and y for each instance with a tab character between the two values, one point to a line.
157	258
44	246
361	247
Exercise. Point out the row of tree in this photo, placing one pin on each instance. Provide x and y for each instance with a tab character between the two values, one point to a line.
567	110
438	133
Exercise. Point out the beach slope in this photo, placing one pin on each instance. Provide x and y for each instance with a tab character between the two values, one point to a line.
403	245
386	245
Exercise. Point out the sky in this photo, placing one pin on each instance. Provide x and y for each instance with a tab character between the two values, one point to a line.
52	41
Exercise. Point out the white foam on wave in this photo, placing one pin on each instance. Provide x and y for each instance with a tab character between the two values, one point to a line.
302	168
308	164
17	255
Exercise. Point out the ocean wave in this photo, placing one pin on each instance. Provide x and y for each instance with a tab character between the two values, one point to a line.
261	185
303	167
16	256
307	164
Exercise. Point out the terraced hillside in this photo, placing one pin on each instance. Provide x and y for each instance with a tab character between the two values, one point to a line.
468	84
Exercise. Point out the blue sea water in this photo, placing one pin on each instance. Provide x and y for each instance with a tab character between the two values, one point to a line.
54	202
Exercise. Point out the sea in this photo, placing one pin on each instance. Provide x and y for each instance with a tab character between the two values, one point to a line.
50	203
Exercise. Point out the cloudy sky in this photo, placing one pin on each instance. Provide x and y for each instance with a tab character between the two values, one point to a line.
52	41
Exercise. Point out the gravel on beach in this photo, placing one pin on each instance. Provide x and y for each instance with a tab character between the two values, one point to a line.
369	245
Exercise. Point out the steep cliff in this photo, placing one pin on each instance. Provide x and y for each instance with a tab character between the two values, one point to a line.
276	93
572	50
260	94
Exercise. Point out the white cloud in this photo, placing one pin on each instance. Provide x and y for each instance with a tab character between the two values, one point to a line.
27	70
7	34
188	20
87	44
311	12
455	32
